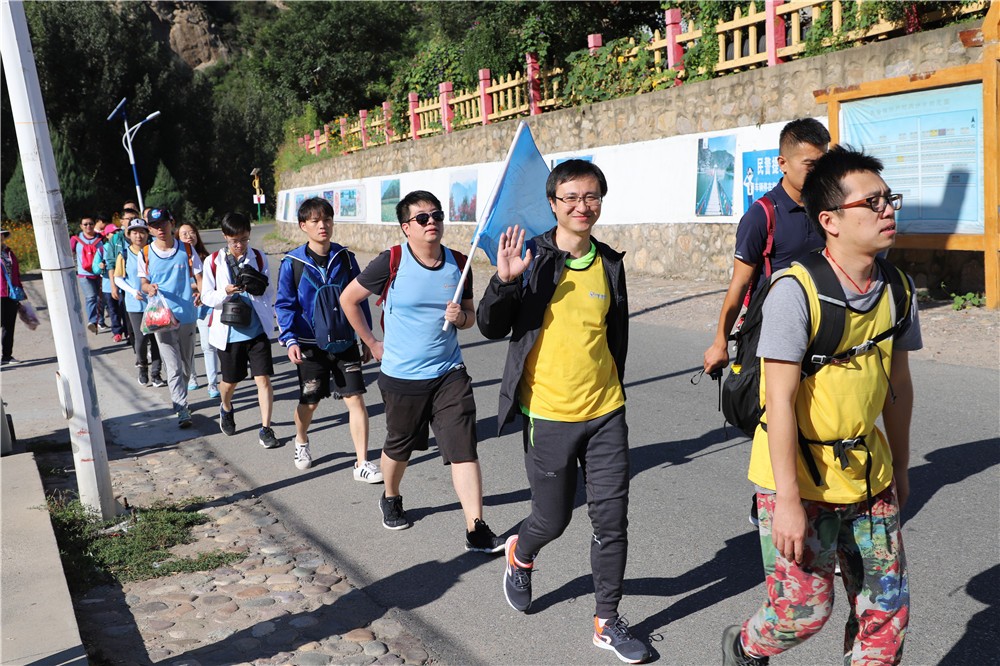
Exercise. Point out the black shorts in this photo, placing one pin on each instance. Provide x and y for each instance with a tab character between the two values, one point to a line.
447	405
237	355
316	368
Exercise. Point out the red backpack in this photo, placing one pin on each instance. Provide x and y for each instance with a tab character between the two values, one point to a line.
88	253
395	258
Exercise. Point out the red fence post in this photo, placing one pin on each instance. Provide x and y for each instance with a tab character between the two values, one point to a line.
447	113
343	133
534	85
485	98
414	117
386	115
316	135
326	138
363	114
774	31
675	52
594	42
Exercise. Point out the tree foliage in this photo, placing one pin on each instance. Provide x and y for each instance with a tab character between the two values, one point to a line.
15	196
164	192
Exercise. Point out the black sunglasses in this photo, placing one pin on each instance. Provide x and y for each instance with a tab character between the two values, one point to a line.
423	218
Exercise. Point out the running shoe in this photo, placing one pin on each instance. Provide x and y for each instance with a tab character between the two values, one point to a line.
482	539
367	472
732	650
213	391
227	421
192	385
615	636
92	327
393	516
157	382
102	328
516	578
266	438
184	418
143	376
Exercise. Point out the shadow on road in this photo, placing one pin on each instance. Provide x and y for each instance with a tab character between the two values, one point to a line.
978	644
948	466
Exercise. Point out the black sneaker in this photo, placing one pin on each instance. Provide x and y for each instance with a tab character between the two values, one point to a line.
143	376
516	579
732	651
227	422
754	520
615	636
482	539
265	437
393	516
157	382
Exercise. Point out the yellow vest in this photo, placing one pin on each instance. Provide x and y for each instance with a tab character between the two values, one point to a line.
569	374
840	401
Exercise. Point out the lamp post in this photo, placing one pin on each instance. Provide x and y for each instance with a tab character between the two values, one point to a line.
258	194
127	137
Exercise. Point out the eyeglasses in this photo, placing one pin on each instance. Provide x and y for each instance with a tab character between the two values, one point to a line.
237	242
423	218
877	203
86	224
589	200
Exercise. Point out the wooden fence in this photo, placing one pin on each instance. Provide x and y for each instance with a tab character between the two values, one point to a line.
750	39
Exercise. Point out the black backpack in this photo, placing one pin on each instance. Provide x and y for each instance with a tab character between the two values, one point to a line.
741	389
333	332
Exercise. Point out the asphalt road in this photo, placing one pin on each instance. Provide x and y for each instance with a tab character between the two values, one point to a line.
694	563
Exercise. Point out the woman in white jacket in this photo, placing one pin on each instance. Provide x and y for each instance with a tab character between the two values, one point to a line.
242	323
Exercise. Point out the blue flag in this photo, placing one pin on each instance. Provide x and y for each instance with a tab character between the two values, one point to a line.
518	197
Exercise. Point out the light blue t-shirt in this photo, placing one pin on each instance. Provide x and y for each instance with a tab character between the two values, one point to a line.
415	347
252	330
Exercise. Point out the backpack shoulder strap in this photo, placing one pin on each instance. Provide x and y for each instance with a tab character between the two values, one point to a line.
189	252
213	264
832	312
395	259
899	289
145	255
772	218
260	260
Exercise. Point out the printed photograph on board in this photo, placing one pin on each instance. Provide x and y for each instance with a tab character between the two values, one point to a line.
716	163
462	196
559	160
761	174
390	197
349	203
299	198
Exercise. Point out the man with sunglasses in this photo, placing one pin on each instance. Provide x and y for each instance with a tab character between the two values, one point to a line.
423	379
568	292
85	246
830	483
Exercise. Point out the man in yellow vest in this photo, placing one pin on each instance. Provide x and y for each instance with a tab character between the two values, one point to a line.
830	484
565	305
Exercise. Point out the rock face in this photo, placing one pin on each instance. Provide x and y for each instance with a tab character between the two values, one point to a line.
190	32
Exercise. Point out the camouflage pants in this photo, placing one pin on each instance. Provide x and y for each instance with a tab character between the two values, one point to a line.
800	596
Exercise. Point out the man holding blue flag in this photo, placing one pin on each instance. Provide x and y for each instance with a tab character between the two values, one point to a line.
567	291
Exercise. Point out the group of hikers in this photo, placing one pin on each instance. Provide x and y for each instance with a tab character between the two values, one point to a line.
829	484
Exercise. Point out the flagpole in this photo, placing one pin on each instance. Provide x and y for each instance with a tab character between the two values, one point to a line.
487	212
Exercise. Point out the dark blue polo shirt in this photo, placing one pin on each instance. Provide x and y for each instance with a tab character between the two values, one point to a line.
794	234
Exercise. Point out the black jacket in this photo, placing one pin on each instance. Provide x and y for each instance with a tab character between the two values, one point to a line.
518	308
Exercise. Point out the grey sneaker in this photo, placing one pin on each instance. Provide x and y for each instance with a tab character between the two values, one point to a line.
482	539
393	516
266	438
143	378
157	382
615	636
732	650
184	418
516	579
227	421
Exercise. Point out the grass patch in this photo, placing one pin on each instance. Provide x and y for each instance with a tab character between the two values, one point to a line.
94	553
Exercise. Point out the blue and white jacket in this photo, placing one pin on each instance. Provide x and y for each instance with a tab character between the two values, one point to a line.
293	305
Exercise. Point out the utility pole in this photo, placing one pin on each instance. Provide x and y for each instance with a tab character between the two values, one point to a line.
258	194
74	377
127	137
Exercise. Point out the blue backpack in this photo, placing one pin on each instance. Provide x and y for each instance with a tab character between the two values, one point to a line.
333	331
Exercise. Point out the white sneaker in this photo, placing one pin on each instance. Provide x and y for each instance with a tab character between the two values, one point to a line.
303	460
367	472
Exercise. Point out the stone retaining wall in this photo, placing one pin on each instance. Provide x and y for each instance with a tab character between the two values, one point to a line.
695	249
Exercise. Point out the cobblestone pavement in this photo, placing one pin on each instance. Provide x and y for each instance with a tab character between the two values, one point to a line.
282	604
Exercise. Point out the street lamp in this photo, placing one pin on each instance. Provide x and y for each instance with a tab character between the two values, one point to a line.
127	137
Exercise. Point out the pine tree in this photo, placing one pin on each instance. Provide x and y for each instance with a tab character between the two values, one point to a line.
15	196
164	193
78	191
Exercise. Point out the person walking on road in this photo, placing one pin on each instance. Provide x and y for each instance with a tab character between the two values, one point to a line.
188	233
11	295
172	269
830	483
567	292
85	246
147	351
322	267
423	378
247	342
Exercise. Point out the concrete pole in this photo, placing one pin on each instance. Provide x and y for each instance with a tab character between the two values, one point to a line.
75	376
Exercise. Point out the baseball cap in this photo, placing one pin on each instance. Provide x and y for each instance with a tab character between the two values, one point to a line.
159	216
136	223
